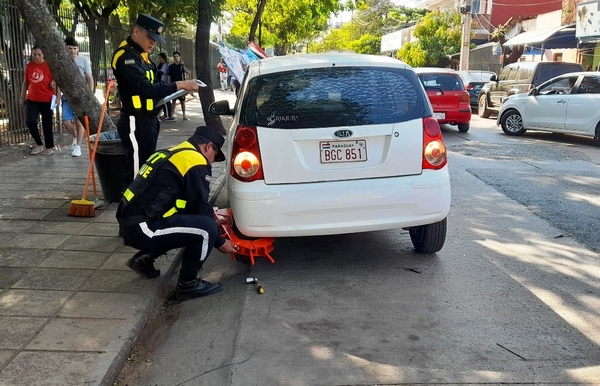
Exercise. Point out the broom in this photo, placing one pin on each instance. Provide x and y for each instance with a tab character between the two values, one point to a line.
84	207
97	202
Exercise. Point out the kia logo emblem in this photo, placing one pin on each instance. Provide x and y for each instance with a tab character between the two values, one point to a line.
343	134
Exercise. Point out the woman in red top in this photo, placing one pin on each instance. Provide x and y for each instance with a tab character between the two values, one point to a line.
36	96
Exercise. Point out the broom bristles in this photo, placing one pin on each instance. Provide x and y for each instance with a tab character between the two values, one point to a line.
82	208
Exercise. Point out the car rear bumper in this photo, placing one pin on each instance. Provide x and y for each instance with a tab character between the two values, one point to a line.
462	115
327	208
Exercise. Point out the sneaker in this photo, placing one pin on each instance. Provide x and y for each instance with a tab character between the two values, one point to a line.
170	119
49	152
186	119
143	264
37	150
76	151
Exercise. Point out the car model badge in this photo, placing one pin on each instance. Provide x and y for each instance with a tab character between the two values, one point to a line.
343	133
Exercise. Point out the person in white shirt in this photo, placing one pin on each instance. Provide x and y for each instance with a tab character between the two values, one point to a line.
70	121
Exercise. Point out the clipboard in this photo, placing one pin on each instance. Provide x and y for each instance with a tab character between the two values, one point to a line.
178	93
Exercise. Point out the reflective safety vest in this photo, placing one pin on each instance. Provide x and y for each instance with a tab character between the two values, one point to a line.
156	201
130	102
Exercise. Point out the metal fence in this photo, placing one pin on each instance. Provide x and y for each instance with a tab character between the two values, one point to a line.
96	44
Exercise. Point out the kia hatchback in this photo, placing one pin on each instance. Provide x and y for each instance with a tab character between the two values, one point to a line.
448	96
327	144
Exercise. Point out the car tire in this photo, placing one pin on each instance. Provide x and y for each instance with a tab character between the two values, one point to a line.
512	123
428	238
482	108
597	137
463	127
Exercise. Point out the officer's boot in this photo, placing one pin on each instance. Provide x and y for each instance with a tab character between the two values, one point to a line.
190	287
143	264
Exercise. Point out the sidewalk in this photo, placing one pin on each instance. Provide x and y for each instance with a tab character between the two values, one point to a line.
70	309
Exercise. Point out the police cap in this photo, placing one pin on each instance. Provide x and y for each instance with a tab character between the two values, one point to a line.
152	25
205	134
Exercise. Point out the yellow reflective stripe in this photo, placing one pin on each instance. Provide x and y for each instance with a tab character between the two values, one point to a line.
149	104
116	57
180	204
137	102
150	76
170	212
128	195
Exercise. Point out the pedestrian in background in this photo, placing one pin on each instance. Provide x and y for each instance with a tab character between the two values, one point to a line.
71	122
177	72
138	125
222	67
166	207
36	97
162	75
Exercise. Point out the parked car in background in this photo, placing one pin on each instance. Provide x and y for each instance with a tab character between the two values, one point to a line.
566	104
518	78
324	144
474	81
448	96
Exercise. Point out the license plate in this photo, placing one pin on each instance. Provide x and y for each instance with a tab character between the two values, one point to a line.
343	151
440	115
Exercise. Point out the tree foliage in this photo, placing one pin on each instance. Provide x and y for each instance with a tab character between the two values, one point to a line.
367	44
284	23
439	35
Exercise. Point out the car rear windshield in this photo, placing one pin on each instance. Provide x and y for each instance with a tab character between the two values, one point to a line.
548	72
332	97
444	82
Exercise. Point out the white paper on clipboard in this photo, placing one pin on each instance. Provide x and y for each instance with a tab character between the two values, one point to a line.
169	98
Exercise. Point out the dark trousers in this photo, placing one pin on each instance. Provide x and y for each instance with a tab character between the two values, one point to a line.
139	135
34	109
195	232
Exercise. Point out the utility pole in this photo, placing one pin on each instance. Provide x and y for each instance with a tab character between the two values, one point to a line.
466	36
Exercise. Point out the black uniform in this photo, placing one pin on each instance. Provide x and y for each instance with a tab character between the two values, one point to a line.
138	125
166	206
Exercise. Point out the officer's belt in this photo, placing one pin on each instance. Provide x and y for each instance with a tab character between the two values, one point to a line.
133	220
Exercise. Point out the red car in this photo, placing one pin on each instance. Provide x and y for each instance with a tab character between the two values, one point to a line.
449	99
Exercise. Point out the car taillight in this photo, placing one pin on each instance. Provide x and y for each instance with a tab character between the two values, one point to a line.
469	87
465	97
246	163
434	150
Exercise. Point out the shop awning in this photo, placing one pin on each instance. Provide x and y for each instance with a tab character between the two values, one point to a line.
548	38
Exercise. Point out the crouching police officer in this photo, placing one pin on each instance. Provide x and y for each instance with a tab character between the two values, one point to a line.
166	207
138	125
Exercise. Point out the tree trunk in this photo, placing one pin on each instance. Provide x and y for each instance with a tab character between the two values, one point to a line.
203	69
257	17
65	72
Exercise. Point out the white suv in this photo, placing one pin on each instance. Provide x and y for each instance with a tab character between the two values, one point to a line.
325	144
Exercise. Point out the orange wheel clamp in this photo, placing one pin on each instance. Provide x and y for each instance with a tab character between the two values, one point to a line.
255	247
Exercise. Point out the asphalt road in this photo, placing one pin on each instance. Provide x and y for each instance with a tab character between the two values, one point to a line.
512	298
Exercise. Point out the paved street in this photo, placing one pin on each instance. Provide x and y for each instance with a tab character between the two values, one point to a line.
512	298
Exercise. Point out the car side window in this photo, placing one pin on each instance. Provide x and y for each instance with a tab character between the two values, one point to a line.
512	75
559	86
504	74
524	73
590	85
331	97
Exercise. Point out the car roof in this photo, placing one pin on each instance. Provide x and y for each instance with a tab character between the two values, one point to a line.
578	73
434	70
302	61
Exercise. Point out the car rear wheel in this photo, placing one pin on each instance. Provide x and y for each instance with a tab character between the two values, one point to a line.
428	238
512	123
463	127
482	108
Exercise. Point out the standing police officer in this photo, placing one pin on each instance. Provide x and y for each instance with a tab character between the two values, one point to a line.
138	125
166	207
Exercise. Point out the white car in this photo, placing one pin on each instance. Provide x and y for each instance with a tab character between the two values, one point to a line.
565	104
325	144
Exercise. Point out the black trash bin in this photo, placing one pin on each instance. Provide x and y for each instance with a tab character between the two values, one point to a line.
110	164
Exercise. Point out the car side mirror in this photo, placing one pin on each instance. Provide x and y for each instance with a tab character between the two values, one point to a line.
533	92
494	78
220	108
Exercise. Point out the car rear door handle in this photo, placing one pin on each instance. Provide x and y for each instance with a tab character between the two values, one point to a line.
561	101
